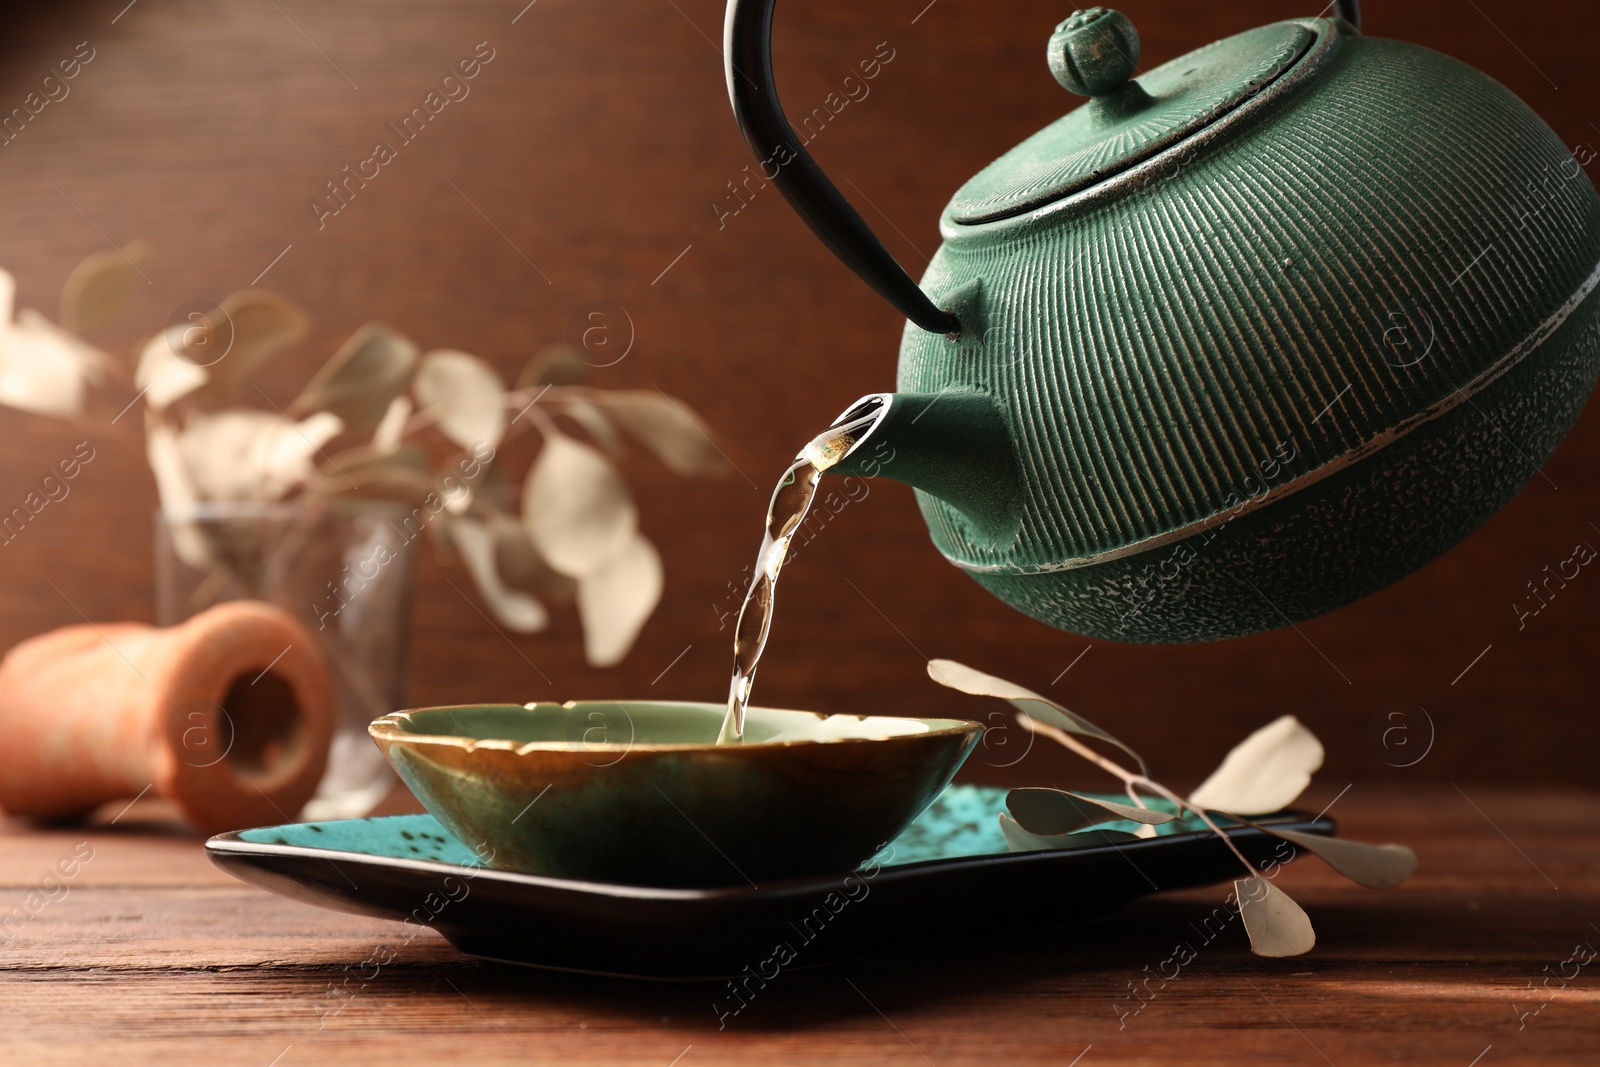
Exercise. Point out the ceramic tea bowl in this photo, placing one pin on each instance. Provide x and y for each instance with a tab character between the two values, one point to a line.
637	792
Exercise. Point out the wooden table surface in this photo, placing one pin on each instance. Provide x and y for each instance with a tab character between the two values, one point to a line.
148	954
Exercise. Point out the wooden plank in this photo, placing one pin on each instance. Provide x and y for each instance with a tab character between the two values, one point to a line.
195	968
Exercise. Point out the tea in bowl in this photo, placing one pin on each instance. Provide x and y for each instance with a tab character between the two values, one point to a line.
639	792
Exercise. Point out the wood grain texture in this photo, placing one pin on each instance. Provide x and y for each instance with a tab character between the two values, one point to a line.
152	955
586	160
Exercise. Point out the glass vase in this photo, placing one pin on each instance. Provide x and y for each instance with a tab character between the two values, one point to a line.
346	573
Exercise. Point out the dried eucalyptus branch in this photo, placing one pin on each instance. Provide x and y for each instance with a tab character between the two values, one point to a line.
1261	775
350	440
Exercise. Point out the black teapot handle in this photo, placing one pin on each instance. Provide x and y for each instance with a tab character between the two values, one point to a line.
786	163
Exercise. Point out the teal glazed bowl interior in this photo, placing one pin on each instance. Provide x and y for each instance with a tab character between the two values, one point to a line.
638	792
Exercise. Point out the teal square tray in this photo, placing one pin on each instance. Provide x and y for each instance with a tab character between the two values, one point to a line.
951	859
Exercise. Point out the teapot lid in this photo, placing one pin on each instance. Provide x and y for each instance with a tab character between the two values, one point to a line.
1095	53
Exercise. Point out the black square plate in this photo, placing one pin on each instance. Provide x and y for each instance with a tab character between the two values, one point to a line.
937	880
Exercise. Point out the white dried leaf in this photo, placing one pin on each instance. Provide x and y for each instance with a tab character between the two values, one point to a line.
678	437
615	601
401	475
176	493
173	485
1057	811
1265	772
1276	924
556	365
43	368
1131	812
515	610
594	423
370	369
252	455
1020	840
1048	812
576	507
521	567
386	438
466	395
99	288
458	492
249	326
1373	866
289	451
959	676
164	373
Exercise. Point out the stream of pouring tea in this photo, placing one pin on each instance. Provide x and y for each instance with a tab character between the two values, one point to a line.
790	502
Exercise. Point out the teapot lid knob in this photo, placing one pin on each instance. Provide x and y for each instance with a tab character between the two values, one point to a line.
1094	52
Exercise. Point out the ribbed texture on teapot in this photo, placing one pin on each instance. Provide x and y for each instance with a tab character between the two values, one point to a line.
1286	299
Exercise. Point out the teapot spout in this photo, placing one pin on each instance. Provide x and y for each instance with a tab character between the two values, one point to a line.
953	445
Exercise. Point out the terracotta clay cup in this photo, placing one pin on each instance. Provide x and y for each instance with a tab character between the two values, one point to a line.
229	715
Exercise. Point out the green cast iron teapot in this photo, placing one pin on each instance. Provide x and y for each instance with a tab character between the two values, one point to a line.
1234	343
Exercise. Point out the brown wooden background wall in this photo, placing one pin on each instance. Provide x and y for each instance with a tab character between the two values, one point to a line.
598	140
